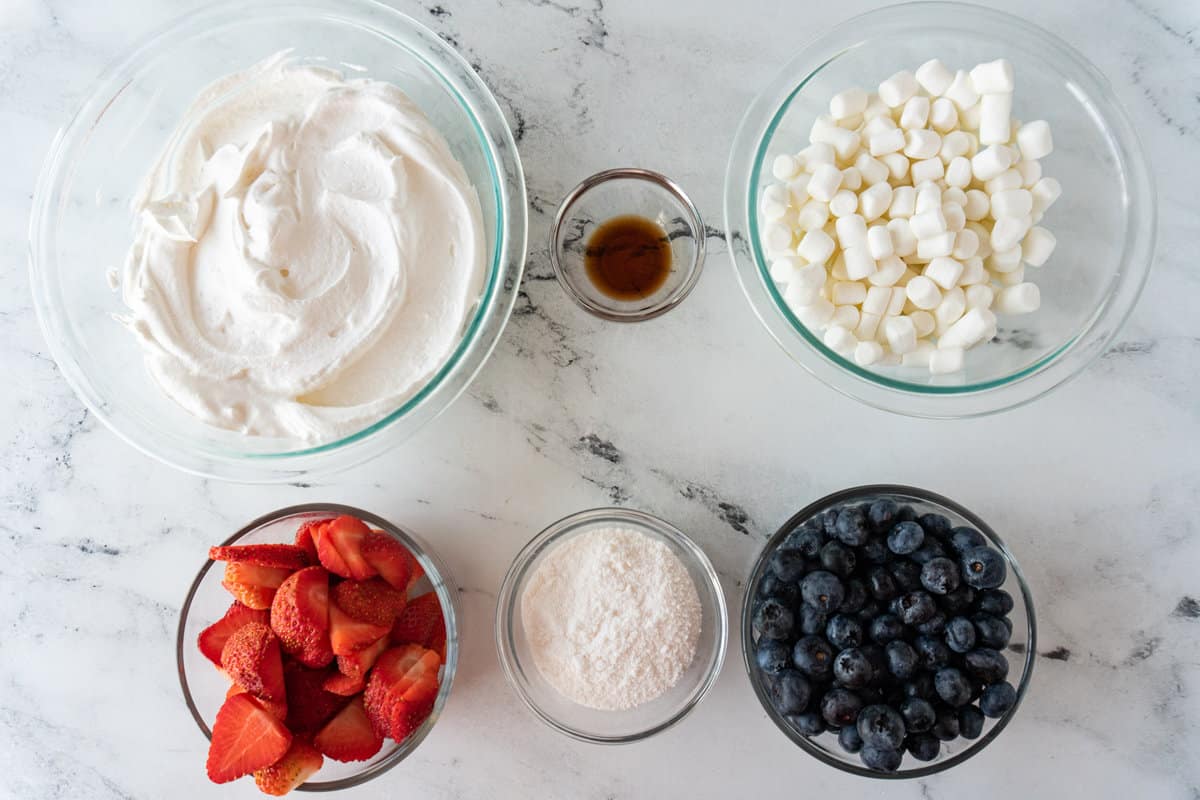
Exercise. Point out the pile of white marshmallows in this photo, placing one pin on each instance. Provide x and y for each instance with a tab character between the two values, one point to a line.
906	225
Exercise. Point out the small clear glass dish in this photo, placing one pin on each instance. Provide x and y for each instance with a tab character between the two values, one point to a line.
614	193
640	722
204	687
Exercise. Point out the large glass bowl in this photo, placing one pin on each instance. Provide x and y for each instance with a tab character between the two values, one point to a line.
1104	221
82	224
204	687
1021	651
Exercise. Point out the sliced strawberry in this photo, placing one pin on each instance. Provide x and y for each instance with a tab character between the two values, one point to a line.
245	737
284	556
407	717
348	534
212	639
373	601
298	764
348	635
252	584
278	710
327	551
309	706
408	674
351	677
300	616
349	736
390	559
305	540
251	658
421	623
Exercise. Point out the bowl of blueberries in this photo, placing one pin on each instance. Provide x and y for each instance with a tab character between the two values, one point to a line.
888	632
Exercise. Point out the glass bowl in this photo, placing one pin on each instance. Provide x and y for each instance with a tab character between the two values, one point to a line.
1104	222
206	602
614	193
1021	649
640	722
81	224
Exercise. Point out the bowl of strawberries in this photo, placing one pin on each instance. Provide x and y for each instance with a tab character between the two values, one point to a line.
316	649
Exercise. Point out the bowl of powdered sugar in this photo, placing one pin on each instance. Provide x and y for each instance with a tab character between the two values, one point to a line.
611	625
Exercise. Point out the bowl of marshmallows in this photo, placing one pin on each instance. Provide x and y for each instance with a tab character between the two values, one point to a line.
940	210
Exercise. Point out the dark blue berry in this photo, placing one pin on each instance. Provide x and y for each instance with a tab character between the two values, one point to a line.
812	619
902	660
917	607
923	746
874	551
885	628
772	656
849	739
992	631
983	568
807	724
905	537
960	635
837	558
952	686
786	593
927	552
918	714
932	651
986	665
852	525
906	514
856	596
964	539
773	620
813	656
921	685
840	708
807	540
997	700
996	602
882	513
789	692
935	524
844	631
881	584
881	759
788	564
829	521
959	600
852	669
907	574
869	612
934	626
940	575
823	590
946	726
970	722
881	726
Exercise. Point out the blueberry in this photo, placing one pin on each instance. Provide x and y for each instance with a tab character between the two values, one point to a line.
885	628
970	722
932	651
918	714
946	725
902	660
807	724
844	631
856	596
789	692
813	656
997	699
829	521
875	551
812	619
852	525
960	634
807	540
921	686
852	669
983	568
786	593
906	514
882	513
940	576
823	590
927	552
881	726
840	707
986	664
905	537
959	600
964	539
837	558
849	739
935	524
934	626
923	746
996	602
907	574
772	656
788	564
881	759
952	686
774	620
992	631
869	612
917	607
881	584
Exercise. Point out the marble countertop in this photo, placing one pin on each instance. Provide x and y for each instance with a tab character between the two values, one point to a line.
1096	486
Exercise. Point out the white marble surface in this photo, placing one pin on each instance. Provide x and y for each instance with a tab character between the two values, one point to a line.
710	426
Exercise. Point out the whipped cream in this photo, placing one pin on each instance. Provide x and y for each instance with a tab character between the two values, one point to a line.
308	252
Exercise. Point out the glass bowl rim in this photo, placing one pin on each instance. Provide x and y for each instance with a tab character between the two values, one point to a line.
905	397
441	586
849	495
493	135
695	222
507	600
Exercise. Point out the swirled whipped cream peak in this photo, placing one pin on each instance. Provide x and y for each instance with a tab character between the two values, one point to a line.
307	254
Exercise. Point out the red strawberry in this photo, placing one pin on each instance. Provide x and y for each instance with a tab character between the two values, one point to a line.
251	658
284	556
348	635
279	710
407	717
407	674
348	534
373	601
300	616
421	623
301	761
348	736
351	677
304	539
309	706
390	559
212	639
327	551
245	737
252	584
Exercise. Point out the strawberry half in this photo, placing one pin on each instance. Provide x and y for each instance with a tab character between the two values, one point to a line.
327	551
213	638
309	706
348	635
305	540
278	710
298	764
407	674
349	736
245	737
407	717
390	559
351	677
284	556
374	601
251	658
252	584
347	534
421	623
300	616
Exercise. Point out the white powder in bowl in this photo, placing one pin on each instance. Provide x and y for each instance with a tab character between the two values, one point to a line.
612	618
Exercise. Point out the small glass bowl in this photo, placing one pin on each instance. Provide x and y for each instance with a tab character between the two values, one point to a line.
204	687
617	192
1104	221
611	727
1021	649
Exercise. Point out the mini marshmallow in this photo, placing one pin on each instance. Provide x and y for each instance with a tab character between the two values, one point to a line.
1013	278
962	91
940	244
872	170
874	201
797	296
952	306
904	202
1023	298
867	353
973	271
851	231
978	205
966	245
904	241
968	331
879	242
815	154
1045	192
825	182
785	167
929	197
923	322
785	269
868	325
846	316
901	334
945	362
954	144
845	143
1036	247
928	223
816	246
934	77
813	216
821	128
993	77
930	169
995	115
852	123
990	162
777	237
888	269
1012	203
1035	140
1030	172
878	125
859	264
1008	232
811	275
921	144
1001	261
923	293
944	271
815	315
943	116
837	272
897	164
875	107
958	172
839	340
852	179
896	90
1006	181
899	300
847	293
843	203
797	189
848	103
916	113
979	296
886	142
955	195
972	117
955	217
877	300
774	203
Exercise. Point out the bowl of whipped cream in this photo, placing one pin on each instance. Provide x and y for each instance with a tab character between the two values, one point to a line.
278	239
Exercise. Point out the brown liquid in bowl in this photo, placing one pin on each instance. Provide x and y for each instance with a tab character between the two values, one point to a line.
628	257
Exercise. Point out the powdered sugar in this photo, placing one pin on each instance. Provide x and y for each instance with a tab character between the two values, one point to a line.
612	618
